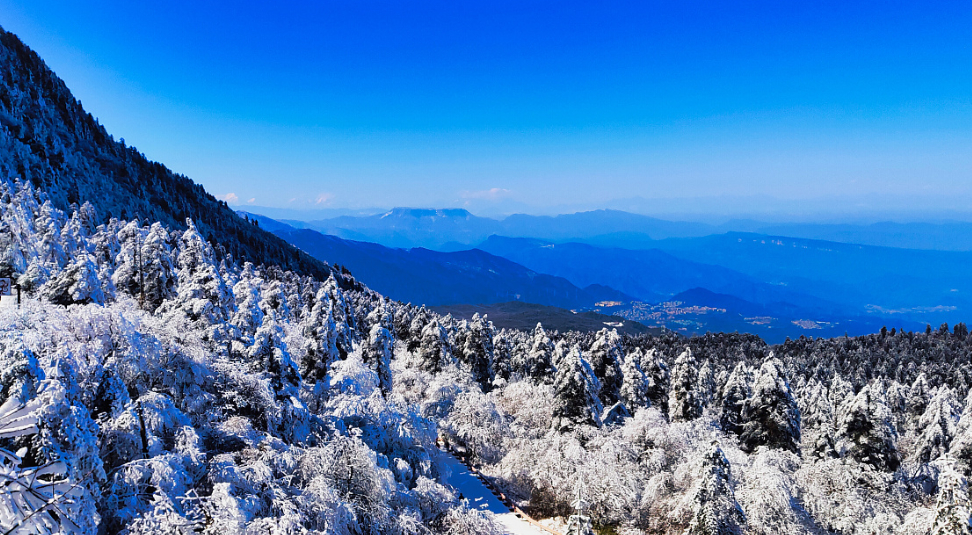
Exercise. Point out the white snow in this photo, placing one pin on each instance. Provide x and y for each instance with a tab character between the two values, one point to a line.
480	497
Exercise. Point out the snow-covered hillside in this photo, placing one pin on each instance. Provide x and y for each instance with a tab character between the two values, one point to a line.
165	388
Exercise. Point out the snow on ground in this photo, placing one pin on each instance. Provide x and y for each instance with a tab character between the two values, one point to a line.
480	497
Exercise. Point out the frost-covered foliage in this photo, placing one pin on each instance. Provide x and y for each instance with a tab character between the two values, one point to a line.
175	390
169	390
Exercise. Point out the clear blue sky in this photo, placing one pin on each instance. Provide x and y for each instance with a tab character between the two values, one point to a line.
530	106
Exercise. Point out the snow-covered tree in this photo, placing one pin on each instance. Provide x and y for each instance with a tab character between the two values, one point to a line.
734	395
377	354
537	362
659	380
683	399
475	350
865	431
434	351
634	388
937	425
576	390
714	507
952	509
771	415
605	356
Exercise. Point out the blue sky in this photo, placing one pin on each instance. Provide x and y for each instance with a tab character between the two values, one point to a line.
501	106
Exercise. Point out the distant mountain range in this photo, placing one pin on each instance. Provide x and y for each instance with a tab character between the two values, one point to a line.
433	278
456	229
652	287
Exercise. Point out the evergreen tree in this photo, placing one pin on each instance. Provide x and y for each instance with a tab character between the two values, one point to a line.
937	425
605	356
248	316
342	314
715	510
952	508
433	351
961	446
202	296
476	350
918	396
502	358
158	267
576	389
78	283
771	416
377	353
817	419
683	399
734	395
659	380
321	335
537	362
866	432
634	388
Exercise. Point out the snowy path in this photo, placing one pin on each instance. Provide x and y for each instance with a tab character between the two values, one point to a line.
480	497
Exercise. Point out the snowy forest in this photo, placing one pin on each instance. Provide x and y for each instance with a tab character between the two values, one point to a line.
154	385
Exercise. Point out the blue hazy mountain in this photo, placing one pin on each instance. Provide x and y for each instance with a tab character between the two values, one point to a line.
914	285
423	276
651	275
455	229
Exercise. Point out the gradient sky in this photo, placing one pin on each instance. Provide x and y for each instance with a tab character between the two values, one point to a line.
532	106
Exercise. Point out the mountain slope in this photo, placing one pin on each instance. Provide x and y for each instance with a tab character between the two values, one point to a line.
47	138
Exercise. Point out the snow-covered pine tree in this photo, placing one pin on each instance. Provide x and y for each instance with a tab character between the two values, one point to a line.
937	425
476	350
866	432
952	509
576	399
377	352
342	315
961	446
158	267
817	419
715	510
771	416
734	395
321	337
202	298
434	352
248	316
918	396
683	399
536	363
605	356
78	283
634	388
659	380
502	357
707	384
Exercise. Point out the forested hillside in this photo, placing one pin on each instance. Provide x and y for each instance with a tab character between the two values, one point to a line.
46	137
154	385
